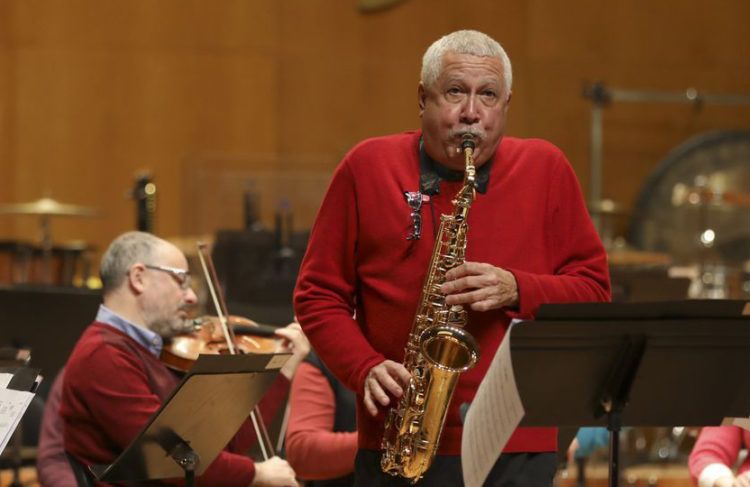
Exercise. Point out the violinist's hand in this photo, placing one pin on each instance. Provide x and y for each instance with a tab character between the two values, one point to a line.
481	286
296	342
386	377
274	472
742	480
724	481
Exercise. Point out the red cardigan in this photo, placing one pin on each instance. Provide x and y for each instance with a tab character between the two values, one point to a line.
112	387
532	221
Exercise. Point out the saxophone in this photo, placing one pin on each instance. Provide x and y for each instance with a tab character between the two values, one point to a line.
438	350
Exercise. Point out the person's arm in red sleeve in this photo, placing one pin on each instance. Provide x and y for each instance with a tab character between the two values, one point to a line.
580	261
52	464
313	449
324	296
714	454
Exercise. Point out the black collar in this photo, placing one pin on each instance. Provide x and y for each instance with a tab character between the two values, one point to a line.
432	172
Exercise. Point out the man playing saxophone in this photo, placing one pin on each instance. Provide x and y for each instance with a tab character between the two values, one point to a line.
529	241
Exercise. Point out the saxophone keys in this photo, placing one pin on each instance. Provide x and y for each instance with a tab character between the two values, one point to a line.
419	399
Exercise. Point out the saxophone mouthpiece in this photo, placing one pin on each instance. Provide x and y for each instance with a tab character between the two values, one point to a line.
468	142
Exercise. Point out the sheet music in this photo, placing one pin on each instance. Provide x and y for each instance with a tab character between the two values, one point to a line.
12	406
743	423
5	380
492	417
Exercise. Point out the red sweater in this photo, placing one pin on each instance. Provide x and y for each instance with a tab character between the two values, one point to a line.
52	466
532	221
112	387
313	448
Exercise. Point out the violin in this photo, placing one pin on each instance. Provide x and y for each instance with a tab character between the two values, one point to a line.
206	337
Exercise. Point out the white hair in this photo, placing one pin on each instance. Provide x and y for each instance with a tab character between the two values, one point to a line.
470	42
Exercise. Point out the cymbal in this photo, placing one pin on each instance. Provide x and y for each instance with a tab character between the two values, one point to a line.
46	206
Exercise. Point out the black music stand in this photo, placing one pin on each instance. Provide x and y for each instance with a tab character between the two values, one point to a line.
200	417
636	364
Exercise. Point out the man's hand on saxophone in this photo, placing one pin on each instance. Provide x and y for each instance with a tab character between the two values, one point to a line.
480	286
386	377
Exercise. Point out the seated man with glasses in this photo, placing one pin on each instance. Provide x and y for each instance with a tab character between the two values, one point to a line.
114	380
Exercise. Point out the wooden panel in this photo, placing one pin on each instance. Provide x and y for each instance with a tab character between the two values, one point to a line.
96	104
6	111
91	92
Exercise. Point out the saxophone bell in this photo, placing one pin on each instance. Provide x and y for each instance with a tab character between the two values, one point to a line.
449	348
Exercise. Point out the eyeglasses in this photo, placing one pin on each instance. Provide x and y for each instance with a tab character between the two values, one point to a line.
180	275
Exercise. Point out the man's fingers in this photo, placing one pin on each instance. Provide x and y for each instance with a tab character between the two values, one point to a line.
383	379
293	336
455	285
369	404
485	305
404	375
374	395
289	333
457	273
470	297
398	371
466	269
389	383
474	281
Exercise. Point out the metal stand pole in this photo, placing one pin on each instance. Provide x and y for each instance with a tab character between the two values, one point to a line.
614	426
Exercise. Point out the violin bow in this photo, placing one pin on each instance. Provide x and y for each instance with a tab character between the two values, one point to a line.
209	271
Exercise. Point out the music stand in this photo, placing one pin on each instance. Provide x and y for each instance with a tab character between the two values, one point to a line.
197	421
637	364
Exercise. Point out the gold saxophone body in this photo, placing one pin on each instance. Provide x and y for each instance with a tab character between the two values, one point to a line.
438	350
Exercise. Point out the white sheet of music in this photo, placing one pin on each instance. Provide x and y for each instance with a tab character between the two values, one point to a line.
493	415
12	406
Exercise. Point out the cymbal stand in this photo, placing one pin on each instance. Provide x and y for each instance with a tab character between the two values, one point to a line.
45	232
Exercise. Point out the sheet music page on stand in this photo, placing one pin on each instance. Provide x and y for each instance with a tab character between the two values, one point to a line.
12	406
743	423
493	415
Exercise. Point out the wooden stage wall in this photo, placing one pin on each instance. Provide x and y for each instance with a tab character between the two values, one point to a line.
215	98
